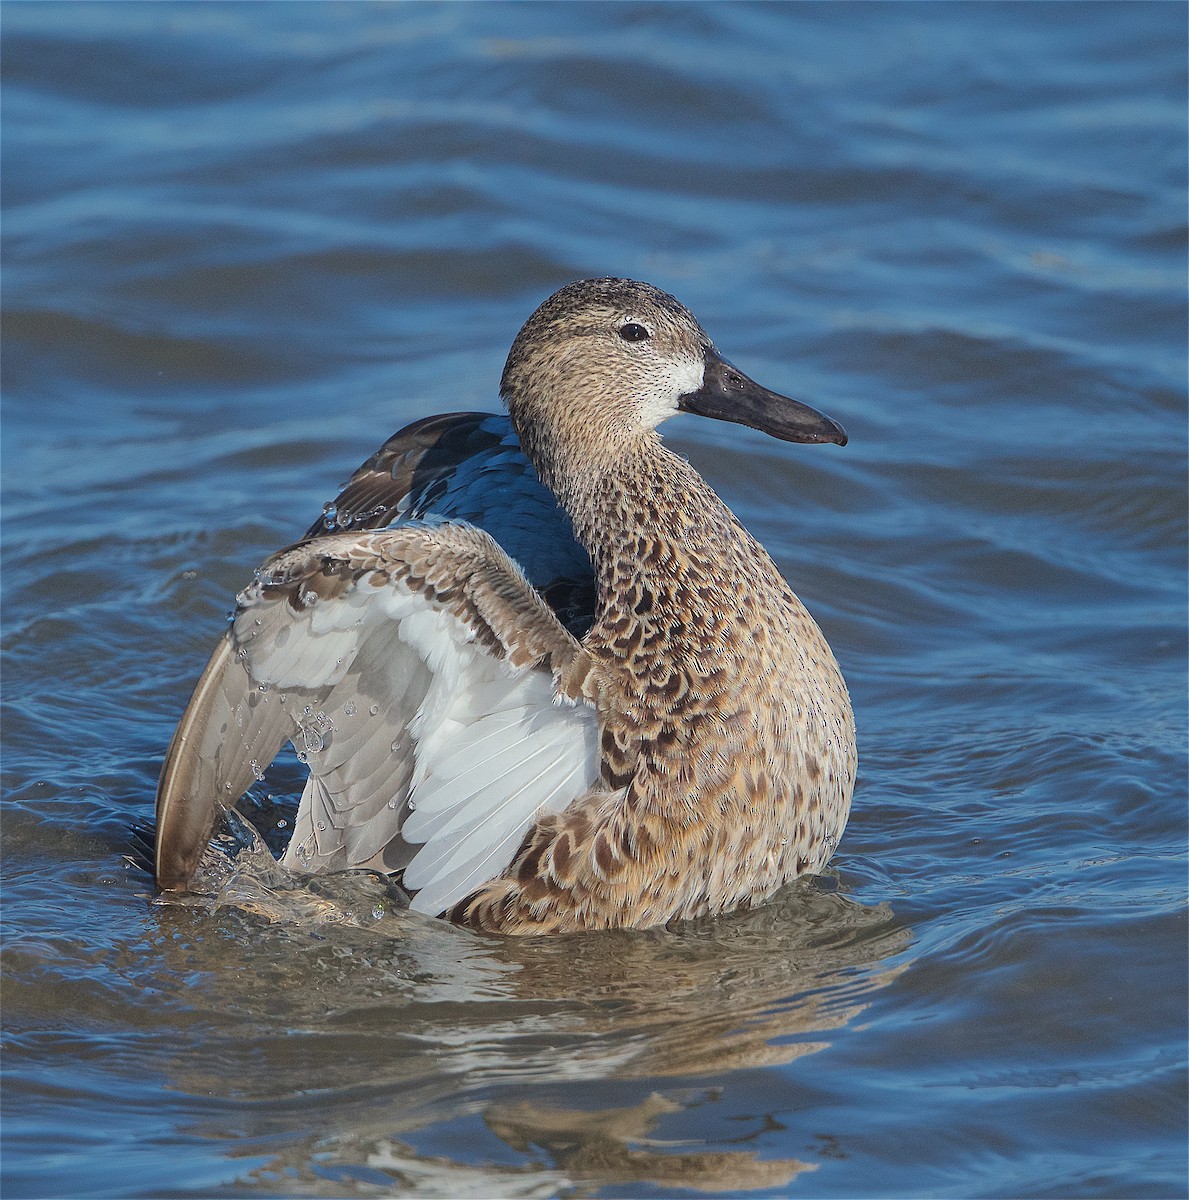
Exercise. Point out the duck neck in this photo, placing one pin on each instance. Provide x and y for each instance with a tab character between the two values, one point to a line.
652	524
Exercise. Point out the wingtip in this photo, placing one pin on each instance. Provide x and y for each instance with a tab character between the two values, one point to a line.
187	808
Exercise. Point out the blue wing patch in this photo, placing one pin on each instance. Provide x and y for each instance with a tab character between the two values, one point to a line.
470	467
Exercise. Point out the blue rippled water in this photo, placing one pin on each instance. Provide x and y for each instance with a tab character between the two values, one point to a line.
245	243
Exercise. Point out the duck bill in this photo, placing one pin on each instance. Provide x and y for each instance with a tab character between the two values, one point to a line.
727	394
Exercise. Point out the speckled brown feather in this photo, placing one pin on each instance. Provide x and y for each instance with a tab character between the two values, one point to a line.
456	567
727	738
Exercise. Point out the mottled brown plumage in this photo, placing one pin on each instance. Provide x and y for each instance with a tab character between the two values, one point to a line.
725	755
727	739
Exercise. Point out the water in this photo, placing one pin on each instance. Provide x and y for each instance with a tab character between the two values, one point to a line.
244	244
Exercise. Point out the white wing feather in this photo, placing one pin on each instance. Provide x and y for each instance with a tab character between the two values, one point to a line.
426	748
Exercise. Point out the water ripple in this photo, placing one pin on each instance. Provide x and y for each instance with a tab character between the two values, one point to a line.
244	244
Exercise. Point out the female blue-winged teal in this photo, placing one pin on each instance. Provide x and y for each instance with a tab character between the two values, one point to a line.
541	719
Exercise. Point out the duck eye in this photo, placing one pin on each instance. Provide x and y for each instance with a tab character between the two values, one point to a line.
631	332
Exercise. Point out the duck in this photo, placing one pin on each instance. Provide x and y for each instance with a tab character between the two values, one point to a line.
538	672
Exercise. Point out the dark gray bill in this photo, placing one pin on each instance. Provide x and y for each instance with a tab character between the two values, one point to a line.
728	395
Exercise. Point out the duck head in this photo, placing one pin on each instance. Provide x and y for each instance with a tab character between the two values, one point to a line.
604	361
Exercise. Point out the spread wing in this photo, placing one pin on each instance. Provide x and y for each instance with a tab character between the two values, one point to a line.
424	682
459	466
470	467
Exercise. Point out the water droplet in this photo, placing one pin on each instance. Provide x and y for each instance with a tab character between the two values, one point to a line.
395	747
412	805
321	826
394	802
302	757
282	823
312	727
349	709
256	770
264	687
282	697
375	708
308	710
241	653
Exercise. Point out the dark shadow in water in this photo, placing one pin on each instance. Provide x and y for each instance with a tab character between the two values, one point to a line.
345	1038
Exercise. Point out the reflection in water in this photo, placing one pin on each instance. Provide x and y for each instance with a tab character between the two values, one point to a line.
569	1062
575	1151
607	1146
